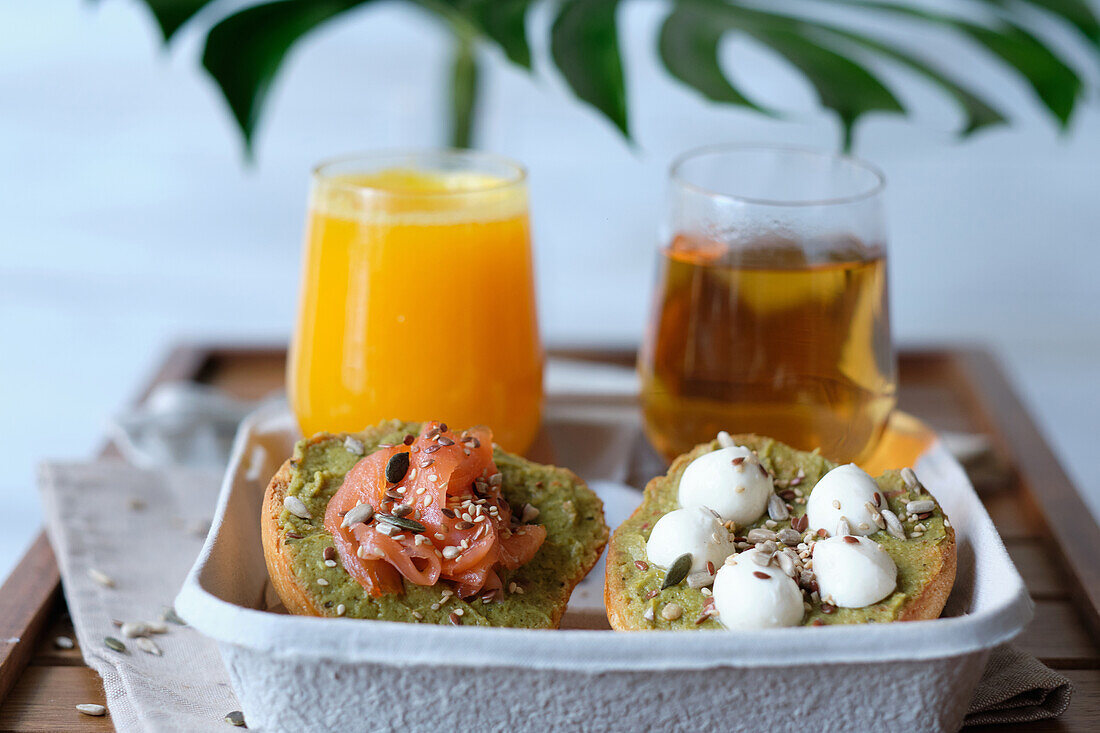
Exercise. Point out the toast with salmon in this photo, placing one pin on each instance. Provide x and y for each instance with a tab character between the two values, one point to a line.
419	523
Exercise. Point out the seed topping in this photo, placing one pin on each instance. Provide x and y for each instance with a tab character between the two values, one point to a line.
677	571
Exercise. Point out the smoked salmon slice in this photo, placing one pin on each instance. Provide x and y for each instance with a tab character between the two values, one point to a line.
436	513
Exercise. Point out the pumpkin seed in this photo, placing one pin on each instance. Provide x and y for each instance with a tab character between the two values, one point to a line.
677	571
410	524
235	717
397	467
114	644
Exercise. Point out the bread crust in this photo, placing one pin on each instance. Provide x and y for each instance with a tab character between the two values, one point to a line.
296	595
927	605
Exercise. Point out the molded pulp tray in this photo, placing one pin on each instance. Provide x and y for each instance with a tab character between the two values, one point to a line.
311	674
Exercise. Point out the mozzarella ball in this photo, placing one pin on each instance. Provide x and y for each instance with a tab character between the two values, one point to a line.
730	481
853	572
751	596
696	530
843	492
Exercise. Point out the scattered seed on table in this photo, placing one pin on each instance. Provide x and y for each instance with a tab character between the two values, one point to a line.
235	717
114	644
91	708
101	578
148	646
168	613
63	642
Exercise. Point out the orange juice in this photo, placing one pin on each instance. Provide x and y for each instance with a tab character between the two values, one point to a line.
418	303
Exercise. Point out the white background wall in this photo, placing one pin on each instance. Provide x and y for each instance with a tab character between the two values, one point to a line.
128	221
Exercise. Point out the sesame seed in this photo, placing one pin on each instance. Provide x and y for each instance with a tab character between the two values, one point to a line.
322	581
340	609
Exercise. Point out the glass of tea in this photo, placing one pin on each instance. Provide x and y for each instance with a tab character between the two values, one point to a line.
771	312
417	296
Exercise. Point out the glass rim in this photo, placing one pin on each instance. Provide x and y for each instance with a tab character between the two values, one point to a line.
674	174
516	176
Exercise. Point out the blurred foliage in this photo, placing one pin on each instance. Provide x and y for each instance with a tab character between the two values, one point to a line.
245	49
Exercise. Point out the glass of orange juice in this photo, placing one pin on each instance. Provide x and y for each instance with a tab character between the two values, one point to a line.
417	296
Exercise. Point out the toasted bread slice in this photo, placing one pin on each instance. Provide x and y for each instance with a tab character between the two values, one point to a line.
926	562
294	547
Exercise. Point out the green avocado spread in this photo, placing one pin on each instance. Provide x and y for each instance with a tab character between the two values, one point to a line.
571	513
915	557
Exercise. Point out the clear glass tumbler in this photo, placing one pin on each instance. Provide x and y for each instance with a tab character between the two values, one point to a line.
771	311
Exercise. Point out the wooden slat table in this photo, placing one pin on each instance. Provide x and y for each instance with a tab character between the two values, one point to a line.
1045	524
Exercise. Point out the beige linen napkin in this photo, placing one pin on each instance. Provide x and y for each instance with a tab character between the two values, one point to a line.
142	530
93	524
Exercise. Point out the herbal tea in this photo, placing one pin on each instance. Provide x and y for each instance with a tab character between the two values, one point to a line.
773	337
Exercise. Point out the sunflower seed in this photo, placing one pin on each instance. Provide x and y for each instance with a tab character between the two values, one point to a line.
356	515
789	536
530	513
235	717
397	467
843	527
410	524
101	578
677	571
90	708
114	644
920	507
768	547
786	564
777	510
700	579
724	440
671	612
762	558
912	483
893	524
169	614
134	629
352	445
148	646
875	515
760	535
402	510
648	614
297	507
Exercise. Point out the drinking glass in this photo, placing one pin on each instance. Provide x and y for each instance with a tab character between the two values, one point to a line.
417	296
771	312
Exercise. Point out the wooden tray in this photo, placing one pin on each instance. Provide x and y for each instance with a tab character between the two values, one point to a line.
1047	528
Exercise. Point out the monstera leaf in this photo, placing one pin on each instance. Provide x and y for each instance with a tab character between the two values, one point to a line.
244	50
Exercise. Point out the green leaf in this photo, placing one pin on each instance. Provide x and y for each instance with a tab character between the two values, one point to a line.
505	23
688	45
464	83
584	43
979	113
171	14
245	50
843	85
1054	82
1075	12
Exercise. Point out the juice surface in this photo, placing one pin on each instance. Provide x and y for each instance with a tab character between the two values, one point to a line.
767	340
418	303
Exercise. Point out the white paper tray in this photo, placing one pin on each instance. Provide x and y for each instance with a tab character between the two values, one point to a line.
310	674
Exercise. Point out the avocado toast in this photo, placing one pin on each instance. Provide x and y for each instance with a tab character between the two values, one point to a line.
309	568
638	593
